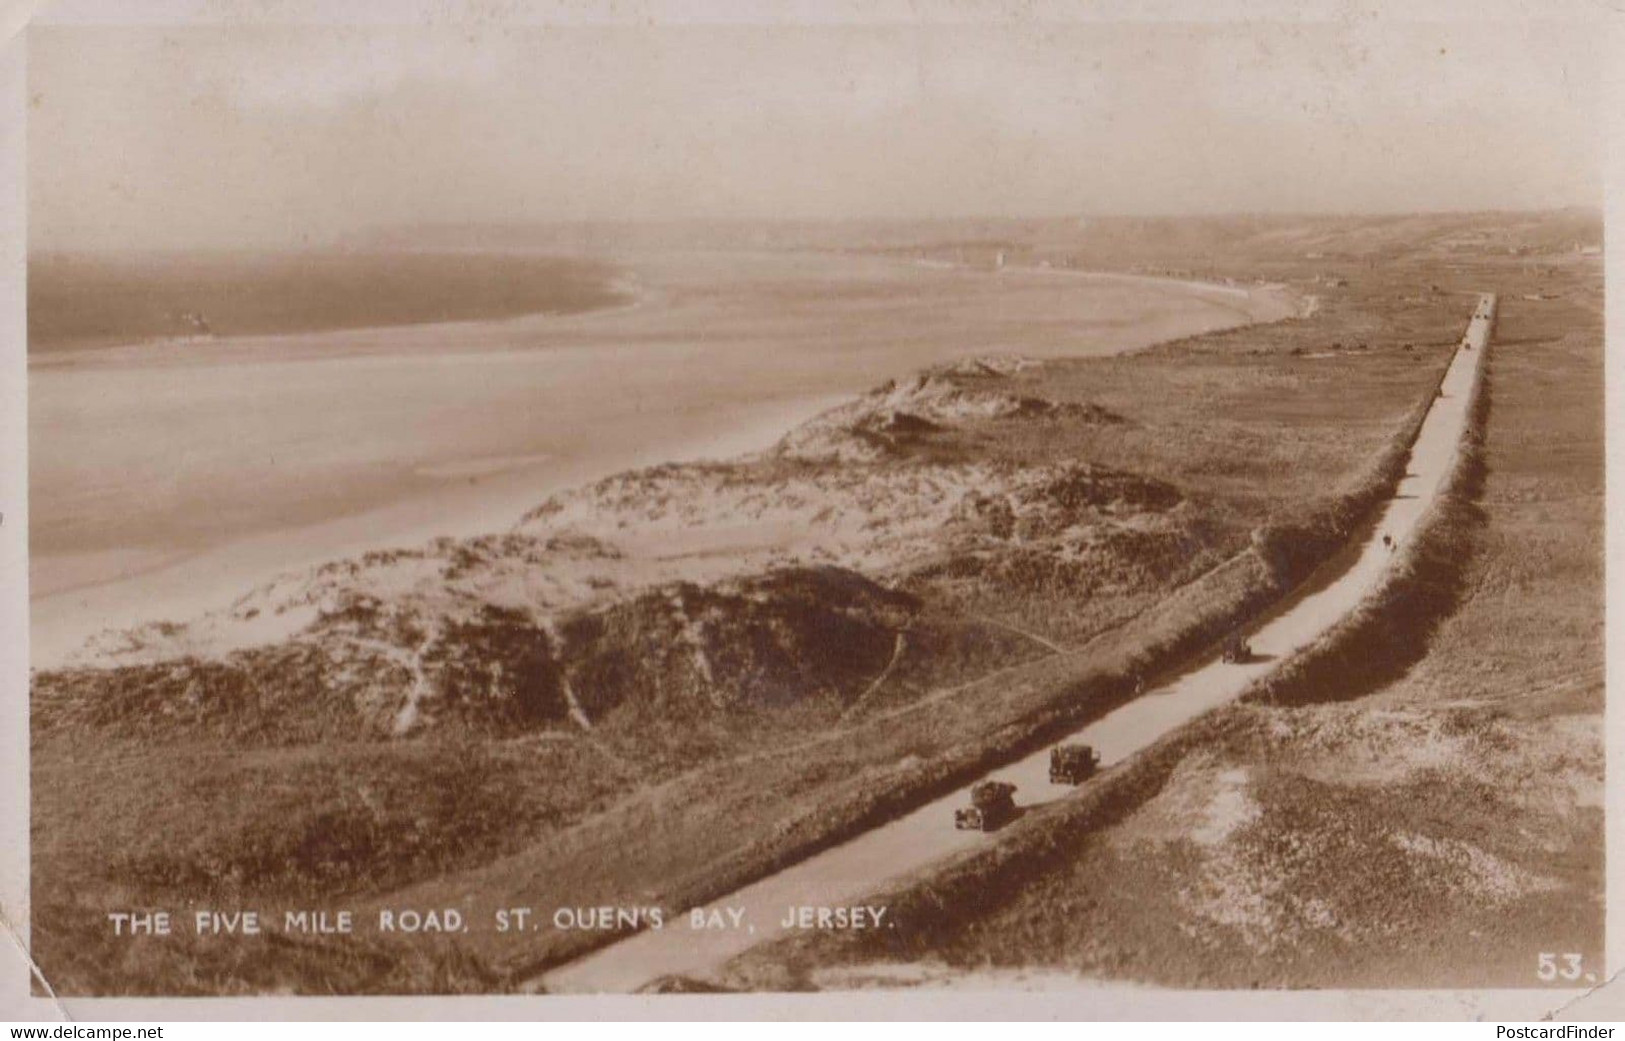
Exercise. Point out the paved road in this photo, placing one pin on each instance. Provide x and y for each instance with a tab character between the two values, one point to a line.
844	874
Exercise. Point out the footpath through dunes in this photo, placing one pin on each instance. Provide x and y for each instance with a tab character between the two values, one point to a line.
844	874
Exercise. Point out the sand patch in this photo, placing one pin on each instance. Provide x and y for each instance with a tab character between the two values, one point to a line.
1203	802
1211	806
1472	869
1258	907
1557	763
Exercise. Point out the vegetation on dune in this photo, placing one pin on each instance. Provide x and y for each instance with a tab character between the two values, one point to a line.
1040	702
945	909
329	819
674	652
650	642
1423	586
766	642
284	695
1086	524
82	957
1413	801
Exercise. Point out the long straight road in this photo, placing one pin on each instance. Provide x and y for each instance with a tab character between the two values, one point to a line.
843	875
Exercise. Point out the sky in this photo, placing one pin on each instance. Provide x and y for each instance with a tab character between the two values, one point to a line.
241	135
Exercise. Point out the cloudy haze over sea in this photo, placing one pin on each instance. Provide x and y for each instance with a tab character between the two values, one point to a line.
289	135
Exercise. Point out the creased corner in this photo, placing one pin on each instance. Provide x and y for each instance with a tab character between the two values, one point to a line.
1584	995
16	937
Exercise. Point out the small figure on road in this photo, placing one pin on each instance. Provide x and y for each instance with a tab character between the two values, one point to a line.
1237	650
1388	540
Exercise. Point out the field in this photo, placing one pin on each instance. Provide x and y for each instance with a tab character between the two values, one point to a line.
667	683
1418	803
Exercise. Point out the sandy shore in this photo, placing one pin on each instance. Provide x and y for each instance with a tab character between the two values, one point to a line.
152	585
217	468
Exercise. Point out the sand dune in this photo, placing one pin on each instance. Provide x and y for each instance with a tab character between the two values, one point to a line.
166	481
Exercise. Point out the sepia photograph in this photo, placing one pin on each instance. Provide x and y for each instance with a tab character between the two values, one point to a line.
720	500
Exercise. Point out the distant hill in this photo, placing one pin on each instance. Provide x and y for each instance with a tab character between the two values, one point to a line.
77	300
1105	240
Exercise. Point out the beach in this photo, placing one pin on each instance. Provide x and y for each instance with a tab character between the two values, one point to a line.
168	479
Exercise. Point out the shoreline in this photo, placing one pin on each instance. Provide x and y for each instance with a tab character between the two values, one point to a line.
1251	292
180	584
638	296
168	589
211	347
619	284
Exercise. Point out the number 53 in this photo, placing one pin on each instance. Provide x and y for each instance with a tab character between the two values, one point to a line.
1546	968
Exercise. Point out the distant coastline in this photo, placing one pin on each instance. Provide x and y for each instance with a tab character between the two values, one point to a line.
85	301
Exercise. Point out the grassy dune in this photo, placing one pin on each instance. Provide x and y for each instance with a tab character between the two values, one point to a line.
1415	801
219	782
945	909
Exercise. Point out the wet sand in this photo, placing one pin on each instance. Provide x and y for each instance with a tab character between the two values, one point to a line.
168	479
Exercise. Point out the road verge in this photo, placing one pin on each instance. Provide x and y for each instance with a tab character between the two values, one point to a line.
1284	556
1386	633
